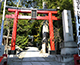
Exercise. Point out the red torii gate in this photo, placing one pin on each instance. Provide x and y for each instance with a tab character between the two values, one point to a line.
16	16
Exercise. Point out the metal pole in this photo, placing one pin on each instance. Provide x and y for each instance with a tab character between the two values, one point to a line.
2	26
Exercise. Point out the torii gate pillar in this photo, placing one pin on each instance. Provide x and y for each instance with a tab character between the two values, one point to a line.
13	40
16	16
51	32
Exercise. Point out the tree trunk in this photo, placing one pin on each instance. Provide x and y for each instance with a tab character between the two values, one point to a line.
18	3
45	33
6	46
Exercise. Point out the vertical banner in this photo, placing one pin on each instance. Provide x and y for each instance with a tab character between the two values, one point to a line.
76	4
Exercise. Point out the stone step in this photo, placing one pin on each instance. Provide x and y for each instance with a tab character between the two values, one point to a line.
34	57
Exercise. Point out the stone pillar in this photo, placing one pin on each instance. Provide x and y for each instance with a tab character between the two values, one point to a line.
68	46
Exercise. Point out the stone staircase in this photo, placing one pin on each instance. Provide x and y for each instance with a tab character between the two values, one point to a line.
32	56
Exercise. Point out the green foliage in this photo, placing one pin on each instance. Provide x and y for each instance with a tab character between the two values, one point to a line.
63	4
25	28
34	27
22	41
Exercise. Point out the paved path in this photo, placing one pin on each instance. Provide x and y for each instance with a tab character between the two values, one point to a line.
32	56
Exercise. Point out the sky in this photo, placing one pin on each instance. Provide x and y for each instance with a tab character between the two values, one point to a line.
17	0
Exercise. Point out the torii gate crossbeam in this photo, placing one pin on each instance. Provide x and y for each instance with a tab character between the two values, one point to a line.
16	16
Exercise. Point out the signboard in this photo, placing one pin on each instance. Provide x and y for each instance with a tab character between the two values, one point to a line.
34	13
